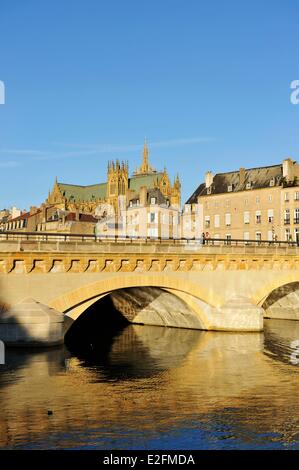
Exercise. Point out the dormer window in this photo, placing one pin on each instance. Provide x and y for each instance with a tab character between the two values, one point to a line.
153	201
209	190
272	182
230	188
248	185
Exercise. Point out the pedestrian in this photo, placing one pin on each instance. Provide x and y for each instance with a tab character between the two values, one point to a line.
202	238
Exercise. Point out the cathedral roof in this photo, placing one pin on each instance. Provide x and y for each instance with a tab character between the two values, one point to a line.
83	193
75	193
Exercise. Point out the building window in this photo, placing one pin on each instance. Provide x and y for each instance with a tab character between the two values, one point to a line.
258	236
227	219
153	232
287	235
272	182
217	220
296	196
246	202
270	235
152	217
228	238
258	217
270	215
246	236
257	200
246	217
248	185
131	203
286	197
296	216
230	188
207	221
153	201
287	216
270	198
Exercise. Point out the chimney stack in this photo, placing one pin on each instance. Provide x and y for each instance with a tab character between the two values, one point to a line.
209	179
242	176
288	169
143	196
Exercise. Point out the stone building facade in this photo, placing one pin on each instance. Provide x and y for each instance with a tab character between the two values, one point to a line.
249	204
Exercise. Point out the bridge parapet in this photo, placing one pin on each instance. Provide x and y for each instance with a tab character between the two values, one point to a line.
73	246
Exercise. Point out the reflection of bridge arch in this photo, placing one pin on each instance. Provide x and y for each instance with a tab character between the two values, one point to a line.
198	299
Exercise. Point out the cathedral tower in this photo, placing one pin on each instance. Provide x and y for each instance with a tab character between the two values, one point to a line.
117	181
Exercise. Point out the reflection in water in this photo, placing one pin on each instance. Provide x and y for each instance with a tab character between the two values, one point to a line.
155	387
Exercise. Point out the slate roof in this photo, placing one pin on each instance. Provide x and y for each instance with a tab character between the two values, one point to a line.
156	193
258	177
74	192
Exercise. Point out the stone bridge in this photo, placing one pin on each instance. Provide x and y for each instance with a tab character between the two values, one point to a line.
172	282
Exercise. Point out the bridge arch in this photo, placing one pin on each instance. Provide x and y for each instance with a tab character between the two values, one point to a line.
197	299
274	285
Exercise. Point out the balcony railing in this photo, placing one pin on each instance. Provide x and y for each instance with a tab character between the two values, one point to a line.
287	221
296	220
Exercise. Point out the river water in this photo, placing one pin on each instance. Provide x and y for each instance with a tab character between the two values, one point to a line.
155	388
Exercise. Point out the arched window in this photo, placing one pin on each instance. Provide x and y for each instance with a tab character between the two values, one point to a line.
112	186
121	186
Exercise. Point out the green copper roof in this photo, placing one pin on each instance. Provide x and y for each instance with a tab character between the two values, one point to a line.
73	192
83	193
136	182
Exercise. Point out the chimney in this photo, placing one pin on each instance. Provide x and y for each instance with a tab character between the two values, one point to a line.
33	210
288	169
209	179
242	176
143	195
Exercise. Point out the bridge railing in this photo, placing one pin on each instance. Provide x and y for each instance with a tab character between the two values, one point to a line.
87	238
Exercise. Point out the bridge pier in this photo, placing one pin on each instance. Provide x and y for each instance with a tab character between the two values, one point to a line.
31	323
238	314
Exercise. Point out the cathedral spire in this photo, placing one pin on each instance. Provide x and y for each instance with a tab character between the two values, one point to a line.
145	167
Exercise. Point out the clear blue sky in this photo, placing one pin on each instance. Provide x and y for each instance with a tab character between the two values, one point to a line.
207	82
